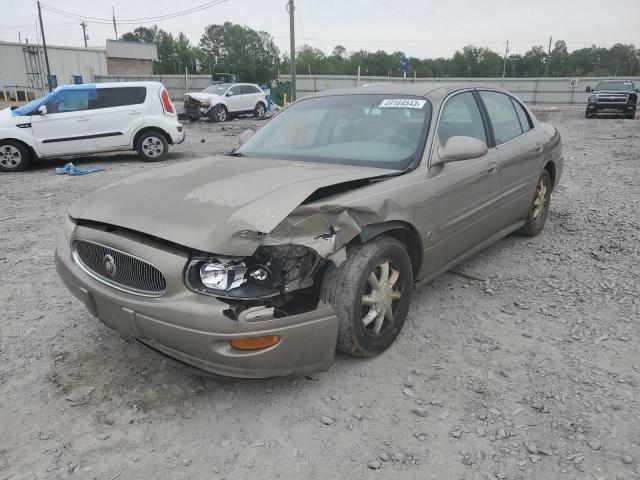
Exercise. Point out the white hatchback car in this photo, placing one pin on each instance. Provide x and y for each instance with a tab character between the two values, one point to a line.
220	101
90	118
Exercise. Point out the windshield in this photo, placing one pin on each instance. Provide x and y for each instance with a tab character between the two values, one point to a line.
385	131
217	89
616	85
32	106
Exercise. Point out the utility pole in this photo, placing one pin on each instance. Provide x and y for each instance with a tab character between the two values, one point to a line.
19	38
292	46
504	62
84	33
44	45
546	74
115	27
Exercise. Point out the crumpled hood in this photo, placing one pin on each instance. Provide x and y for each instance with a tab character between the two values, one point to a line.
205	203
204	97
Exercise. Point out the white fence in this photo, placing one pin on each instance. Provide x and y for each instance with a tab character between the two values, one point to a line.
530	90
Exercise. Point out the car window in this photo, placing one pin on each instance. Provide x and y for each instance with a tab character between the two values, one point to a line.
236	90
72	100
247	89
373	130
503	116
461	117
118	97
525	121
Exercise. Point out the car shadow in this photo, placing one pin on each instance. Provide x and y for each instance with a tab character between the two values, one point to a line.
100	160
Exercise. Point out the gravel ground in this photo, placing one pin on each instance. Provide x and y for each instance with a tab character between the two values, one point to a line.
533	373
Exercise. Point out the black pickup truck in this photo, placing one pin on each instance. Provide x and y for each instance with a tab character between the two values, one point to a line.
612	97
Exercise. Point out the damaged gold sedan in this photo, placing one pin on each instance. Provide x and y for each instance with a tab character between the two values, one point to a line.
313	233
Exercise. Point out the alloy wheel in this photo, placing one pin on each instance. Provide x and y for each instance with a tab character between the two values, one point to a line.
379	303
221	114
10	156
540	201
152	147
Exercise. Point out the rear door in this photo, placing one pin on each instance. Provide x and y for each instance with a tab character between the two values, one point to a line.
117	113
251	96
465	209
66	128
520	149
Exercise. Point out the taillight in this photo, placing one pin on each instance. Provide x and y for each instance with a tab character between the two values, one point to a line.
166	102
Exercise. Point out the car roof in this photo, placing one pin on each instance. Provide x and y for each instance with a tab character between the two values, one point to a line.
434	90
110	85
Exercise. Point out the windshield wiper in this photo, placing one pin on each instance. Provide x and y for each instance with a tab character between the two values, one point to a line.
236	154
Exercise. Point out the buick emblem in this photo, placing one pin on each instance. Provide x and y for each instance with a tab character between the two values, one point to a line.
109	265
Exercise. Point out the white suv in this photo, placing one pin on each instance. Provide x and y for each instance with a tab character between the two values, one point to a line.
91	118
220	101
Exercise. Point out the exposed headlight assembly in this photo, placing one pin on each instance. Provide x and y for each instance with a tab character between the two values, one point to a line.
271	271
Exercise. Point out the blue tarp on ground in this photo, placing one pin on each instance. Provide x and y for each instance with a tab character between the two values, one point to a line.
71	169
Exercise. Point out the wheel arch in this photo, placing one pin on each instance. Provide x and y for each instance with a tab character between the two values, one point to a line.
159	130
30	148
550	167
402	231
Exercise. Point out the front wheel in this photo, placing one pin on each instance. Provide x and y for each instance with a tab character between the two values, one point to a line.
539	209
370	293
14	156
631	116
152	146
220	114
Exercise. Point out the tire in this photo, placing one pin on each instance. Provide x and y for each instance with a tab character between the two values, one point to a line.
14	156
194	118
536	217
345	286
631	116
220	114
260	110
588	115
152	146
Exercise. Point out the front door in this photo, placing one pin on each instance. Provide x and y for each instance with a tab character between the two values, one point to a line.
465	207
234	101
66	128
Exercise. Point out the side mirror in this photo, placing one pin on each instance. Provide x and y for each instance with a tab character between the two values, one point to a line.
244	136
461	148
588	90
42	110
230	93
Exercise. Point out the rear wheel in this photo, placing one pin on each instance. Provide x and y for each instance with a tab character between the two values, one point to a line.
14	156
152	146
370	293
537	215
260	110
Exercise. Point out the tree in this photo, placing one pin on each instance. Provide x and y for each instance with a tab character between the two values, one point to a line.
241	50
559	65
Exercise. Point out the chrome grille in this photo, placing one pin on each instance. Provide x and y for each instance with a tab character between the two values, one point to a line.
118	269
612	98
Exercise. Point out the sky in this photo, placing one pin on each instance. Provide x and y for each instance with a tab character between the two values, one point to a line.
420	28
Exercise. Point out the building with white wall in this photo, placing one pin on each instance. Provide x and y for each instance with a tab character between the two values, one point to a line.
23	70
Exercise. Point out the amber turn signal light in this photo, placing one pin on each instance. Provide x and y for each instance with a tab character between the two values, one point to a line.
255	343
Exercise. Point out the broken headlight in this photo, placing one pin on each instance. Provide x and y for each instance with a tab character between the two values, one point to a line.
270	271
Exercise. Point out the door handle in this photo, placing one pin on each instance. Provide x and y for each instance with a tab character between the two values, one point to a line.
134	112
493	168
539	148
83	119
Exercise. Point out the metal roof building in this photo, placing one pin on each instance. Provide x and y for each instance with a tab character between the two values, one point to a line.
23	70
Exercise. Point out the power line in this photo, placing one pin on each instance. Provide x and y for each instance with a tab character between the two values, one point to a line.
132	21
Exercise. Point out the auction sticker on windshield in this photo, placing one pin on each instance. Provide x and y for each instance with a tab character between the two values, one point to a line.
402	103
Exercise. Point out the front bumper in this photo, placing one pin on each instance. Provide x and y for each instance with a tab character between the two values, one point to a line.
610	108
191	327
